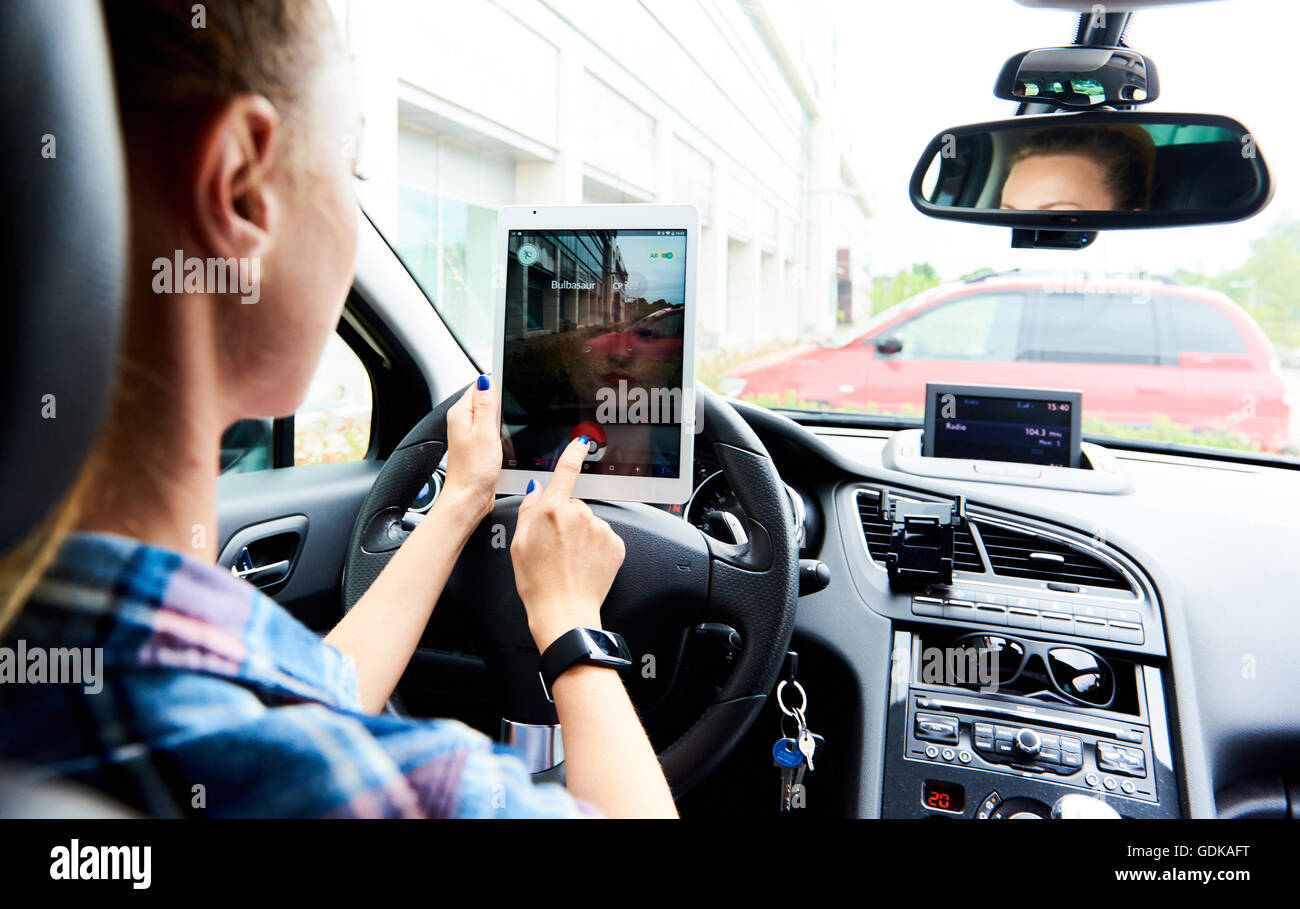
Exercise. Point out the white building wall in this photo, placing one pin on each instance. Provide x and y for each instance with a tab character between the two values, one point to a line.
474	104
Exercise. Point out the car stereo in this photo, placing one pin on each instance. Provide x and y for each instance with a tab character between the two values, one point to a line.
992	423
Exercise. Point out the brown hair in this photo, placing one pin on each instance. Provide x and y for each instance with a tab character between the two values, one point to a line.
174	63
22	566
1126	154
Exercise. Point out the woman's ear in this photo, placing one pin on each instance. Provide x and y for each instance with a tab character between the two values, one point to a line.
234	203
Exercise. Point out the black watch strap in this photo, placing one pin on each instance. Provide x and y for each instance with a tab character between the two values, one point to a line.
593	646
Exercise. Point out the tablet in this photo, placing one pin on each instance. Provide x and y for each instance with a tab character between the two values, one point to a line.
595	336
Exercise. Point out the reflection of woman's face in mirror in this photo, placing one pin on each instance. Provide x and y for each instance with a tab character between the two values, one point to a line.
1081	168
1057	182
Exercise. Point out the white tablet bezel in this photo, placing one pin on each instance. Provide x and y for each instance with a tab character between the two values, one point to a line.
658	490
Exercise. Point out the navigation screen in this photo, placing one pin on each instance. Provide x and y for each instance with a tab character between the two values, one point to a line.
1028	426
594	330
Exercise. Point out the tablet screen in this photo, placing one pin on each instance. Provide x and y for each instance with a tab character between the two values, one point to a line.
593	345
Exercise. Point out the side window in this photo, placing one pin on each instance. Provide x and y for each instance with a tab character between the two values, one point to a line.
1200	327
332	425
247	446
1094	328
978	327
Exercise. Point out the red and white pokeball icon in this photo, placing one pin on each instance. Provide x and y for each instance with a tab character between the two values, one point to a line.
596	433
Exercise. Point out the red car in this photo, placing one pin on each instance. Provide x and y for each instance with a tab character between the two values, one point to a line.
1142	352
657	336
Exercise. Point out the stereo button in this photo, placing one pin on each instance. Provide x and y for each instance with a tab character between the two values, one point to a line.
1121	759
936	728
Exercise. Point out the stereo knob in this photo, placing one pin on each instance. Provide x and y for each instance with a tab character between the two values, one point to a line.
1028	742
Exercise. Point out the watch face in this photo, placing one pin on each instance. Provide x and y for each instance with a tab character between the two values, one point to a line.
606	643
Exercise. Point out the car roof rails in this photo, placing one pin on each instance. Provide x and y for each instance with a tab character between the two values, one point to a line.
984	274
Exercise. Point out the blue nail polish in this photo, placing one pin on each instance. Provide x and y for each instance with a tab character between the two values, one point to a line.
483	383
584	440
532	484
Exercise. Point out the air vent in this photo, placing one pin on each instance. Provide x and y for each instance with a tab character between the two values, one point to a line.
1018	554
876	532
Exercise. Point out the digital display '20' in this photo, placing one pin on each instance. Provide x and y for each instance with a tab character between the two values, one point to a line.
938	795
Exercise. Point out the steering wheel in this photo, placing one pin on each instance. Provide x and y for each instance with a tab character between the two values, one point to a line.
673	578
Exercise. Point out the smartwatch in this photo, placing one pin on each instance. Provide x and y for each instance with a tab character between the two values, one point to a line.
592	646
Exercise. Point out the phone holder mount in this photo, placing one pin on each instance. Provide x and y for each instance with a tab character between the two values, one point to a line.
922	540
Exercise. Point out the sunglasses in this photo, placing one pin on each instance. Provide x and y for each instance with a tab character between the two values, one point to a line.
1073	672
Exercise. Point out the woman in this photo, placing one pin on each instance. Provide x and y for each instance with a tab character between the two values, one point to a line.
213	700
1081	168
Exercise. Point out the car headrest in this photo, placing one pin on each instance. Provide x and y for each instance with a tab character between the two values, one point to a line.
1199	175
64	201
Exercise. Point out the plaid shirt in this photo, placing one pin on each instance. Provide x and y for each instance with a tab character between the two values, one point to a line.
215	702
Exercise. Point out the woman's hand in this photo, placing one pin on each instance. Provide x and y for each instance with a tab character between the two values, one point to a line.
565	557
474	451
565	561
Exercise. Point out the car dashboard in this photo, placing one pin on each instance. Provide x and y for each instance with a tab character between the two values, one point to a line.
1174	583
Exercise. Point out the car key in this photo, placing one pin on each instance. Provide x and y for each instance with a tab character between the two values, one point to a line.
787	757
807	745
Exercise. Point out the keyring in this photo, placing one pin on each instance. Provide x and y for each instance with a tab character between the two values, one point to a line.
803	699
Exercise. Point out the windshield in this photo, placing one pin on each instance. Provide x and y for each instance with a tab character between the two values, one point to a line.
794	128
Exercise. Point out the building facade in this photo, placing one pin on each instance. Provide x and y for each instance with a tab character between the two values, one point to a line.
732	105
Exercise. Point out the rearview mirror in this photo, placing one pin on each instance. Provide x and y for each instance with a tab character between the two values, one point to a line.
1090	171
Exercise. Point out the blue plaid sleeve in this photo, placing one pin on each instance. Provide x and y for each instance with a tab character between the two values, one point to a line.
312	760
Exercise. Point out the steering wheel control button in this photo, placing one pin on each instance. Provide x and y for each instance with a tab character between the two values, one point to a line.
936	728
